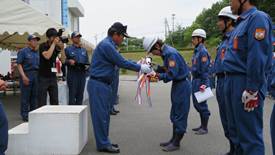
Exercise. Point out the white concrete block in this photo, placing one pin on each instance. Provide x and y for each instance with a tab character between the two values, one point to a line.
18	140
60	130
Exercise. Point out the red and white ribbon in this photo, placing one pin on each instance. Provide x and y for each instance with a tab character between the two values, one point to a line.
143	81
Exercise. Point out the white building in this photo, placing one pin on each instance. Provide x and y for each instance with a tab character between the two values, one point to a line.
65	12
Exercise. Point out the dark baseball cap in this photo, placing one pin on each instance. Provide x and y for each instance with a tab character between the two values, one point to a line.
51	32
32	37
75	34
120	28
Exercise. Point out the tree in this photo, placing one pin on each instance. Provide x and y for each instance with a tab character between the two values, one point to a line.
176	38
207	20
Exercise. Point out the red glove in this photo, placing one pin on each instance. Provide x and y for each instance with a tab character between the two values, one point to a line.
250	100
202	88
157	75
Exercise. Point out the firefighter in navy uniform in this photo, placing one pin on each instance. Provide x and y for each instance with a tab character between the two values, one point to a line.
200	78
226	25
246	64
3	124
105	58
174	69
28	65
77	62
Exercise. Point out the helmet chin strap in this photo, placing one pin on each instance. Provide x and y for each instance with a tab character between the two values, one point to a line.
225	26
240	10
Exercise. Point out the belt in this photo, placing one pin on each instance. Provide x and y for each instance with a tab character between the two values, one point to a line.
101	80
220	75
234	74
77	68
196	77
32	70
180	80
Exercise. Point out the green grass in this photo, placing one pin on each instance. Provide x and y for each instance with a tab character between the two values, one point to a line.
138	55
187	55
135	56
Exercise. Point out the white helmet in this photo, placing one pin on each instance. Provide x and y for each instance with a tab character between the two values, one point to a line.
149	42
227	12
199	33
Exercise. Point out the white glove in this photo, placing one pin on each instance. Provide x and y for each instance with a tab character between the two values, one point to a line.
145	68
250	100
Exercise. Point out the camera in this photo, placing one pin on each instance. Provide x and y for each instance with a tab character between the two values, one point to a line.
64	39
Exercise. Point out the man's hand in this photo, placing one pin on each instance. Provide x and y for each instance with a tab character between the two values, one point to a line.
145	68
61	45
71	62
202	88
3	85
157	75
250	100
56	40
26	81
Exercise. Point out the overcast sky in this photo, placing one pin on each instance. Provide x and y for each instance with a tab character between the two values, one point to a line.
143	17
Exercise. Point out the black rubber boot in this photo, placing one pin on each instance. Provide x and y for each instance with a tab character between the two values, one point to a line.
204	129
175	145
198	128
163	144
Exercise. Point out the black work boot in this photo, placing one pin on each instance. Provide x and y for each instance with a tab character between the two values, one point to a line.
204	129
163	144
198	128
175	145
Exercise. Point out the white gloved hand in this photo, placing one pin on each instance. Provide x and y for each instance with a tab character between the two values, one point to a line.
145	68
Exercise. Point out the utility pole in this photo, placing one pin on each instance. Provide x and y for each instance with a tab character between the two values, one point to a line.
173	22
166	28
168	32
96	39
127	44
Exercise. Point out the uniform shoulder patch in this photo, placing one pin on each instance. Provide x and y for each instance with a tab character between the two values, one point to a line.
172	63
259	34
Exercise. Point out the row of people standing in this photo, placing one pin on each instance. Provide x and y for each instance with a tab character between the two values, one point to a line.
242	64
38	71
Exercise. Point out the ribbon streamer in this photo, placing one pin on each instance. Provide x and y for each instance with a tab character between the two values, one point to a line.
143	81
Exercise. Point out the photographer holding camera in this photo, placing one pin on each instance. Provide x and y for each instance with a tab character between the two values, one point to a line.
49	51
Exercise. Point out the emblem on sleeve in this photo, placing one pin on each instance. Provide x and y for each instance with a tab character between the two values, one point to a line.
172	63
260	34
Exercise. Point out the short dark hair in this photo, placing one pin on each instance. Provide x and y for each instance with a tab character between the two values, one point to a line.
254	2
226	19
51	32
202	39
159	42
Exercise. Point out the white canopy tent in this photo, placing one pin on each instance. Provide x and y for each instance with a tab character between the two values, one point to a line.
18	20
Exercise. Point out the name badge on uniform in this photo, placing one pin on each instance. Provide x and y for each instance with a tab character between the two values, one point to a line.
222	54
54	70
260	34
194	62
235	43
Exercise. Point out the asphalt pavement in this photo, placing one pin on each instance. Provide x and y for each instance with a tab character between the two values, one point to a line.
138	129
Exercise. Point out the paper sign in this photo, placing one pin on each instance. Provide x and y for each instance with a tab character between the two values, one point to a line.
54	70
203	96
